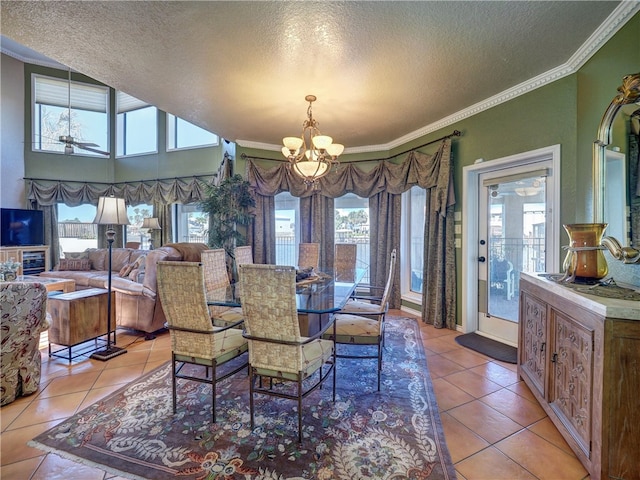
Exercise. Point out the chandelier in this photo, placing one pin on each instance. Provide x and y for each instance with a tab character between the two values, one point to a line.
311	154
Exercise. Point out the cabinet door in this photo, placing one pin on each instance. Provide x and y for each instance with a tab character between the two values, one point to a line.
534	341
572	379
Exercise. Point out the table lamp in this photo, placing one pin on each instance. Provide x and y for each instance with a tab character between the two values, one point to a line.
111	211
151	224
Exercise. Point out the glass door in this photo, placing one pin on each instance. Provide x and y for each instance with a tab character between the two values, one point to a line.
512	234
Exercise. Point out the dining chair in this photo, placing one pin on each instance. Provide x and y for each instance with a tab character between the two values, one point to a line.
243	255
360	323
344	261
194	339
134	245
277	350
309	255
216	281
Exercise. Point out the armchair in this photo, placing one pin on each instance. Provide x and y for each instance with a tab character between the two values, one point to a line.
23	314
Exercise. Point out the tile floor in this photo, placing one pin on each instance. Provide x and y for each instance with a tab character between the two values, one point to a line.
493	426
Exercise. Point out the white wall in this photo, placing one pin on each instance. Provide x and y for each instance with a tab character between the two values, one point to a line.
12	194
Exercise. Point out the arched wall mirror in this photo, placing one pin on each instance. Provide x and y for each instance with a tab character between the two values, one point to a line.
616	163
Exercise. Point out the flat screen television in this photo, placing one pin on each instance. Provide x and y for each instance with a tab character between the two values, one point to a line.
21	227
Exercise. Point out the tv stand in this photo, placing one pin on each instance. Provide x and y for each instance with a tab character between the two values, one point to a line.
32	260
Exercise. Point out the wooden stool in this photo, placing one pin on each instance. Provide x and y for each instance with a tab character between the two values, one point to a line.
77	317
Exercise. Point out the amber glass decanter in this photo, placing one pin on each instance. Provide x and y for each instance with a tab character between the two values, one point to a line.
585	261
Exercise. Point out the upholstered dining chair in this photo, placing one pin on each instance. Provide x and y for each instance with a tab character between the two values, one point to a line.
194	339
360	323
243	255
309	255
216	281
344	261
277	351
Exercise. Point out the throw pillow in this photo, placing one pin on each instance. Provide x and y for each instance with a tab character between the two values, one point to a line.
126	270
79	264
76	255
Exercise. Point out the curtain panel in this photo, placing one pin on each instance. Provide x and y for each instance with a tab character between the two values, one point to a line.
381	185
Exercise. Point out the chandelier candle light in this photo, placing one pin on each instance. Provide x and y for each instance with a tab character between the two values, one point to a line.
111	211
312	154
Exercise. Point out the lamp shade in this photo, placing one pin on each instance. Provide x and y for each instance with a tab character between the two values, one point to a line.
111	211
151	223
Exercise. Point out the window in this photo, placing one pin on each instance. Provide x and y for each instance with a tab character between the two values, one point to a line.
76	229
413	217
134	231
191	224
352	226
136	126
84	117
182	134
287	212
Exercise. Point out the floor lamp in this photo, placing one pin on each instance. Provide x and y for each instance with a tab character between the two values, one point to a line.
151	224
111	211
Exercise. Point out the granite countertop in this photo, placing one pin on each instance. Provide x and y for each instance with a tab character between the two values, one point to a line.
608	307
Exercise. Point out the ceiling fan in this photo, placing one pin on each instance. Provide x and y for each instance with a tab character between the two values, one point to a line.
69	141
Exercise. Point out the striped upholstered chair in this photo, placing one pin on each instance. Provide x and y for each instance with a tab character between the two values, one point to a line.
276	348
194	339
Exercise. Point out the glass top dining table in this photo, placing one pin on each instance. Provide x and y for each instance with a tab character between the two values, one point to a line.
326	293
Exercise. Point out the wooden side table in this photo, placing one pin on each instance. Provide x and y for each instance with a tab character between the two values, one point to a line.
77	317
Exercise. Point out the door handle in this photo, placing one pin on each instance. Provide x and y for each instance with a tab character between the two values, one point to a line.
481	259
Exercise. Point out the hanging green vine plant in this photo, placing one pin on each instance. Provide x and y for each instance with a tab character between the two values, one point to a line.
228	207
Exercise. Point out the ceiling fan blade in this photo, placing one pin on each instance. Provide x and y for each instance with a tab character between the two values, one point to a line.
85	144
89	149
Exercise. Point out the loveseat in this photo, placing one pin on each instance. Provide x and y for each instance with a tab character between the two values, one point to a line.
133	279
23	316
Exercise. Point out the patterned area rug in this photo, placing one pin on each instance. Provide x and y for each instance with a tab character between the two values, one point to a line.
395	433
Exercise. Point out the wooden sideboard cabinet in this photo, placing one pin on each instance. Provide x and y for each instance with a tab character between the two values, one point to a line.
580	356
32	260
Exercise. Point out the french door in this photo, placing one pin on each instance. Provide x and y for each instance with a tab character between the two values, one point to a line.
515	231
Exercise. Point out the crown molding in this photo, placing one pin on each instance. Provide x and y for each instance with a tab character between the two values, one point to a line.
622	13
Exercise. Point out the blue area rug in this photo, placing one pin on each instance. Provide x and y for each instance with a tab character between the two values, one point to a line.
365	434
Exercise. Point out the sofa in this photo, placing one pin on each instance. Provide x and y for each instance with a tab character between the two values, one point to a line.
133	279
23	316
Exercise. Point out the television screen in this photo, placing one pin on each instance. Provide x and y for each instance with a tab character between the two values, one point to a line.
21	227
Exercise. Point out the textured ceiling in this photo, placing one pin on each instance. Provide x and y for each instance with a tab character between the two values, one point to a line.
380	70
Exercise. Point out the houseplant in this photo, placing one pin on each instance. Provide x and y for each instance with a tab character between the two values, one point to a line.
228	206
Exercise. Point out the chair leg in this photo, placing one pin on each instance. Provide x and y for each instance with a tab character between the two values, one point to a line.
173	381
379	363
213	387
251	380
299	409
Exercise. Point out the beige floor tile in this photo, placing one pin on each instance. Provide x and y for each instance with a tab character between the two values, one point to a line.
97	394
21	470
461	441
438	345
483	420
119	376
515	407
54	467
527	449
45	409
441	367
491	464
76	382
521	389
465	357
10	412
153	365
547	430
473	384
13	443
131	358
448	395
496	373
